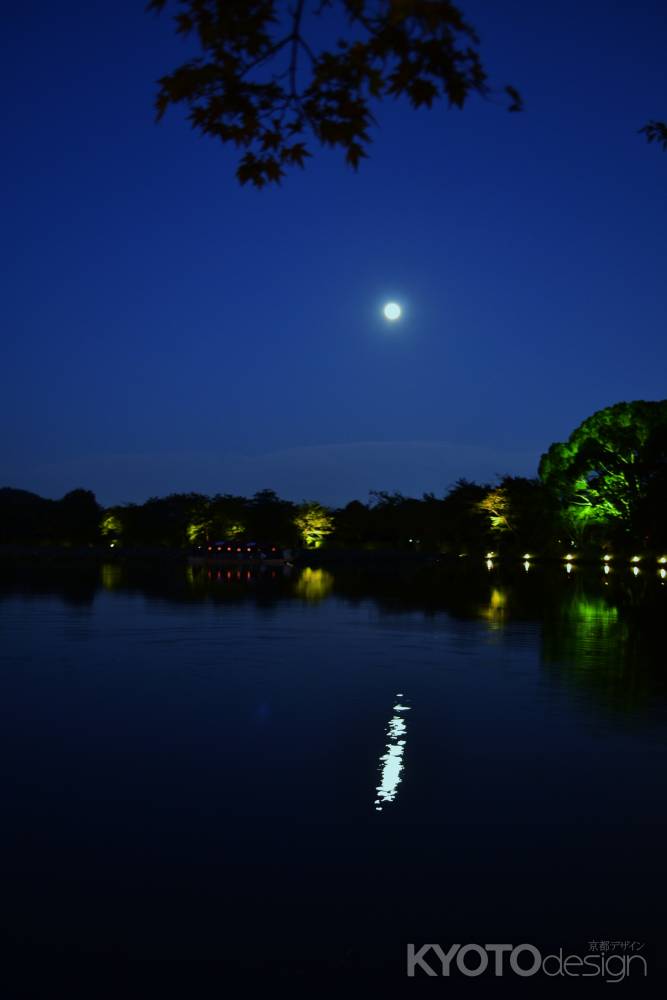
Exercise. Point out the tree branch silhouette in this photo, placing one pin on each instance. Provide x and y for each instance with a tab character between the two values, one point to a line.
423	50
656	132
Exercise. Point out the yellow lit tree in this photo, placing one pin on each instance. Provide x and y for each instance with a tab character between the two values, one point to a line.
314	523
497	506
111	527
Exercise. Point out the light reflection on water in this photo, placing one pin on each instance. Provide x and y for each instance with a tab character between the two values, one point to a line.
236	736
314	584
391	762
588	622
495	611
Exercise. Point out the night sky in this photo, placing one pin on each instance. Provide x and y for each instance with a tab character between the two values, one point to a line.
167	330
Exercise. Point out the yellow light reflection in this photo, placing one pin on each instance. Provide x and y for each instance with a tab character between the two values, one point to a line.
314	584
495	610
391	762
498	599
111	575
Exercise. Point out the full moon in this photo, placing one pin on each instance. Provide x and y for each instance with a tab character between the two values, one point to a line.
392	311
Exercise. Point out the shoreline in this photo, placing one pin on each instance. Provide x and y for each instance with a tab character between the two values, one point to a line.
342	558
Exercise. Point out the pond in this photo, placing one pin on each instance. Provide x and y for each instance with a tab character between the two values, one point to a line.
296	773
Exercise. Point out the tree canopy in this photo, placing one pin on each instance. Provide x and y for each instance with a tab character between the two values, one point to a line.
314	523
607	470
27	518
520	510
264	84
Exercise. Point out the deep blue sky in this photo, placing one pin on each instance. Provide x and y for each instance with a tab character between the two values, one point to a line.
167	330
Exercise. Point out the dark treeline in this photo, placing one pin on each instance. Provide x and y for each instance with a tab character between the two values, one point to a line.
457	520
28	519
605	487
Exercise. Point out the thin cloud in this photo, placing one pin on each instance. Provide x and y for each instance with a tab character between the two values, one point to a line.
333	473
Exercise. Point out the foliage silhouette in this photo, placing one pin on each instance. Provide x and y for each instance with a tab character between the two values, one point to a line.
262	85
28	519
656	132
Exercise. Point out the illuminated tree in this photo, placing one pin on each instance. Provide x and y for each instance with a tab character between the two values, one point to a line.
314	523
602	474
111	526
497	506
160	521
520	510
266	84
224	517
198	531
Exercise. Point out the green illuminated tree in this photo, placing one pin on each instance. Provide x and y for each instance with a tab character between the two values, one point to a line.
265	83
602	475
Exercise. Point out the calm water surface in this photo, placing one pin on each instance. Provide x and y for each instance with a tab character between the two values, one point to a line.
301	772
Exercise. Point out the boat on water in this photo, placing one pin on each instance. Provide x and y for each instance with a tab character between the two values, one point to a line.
235	552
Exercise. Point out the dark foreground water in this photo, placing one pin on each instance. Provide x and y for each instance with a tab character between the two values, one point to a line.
296	775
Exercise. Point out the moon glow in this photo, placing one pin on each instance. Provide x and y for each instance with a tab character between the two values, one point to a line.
392	311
